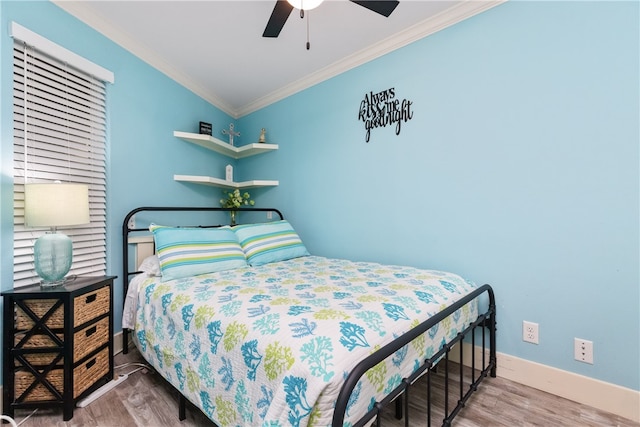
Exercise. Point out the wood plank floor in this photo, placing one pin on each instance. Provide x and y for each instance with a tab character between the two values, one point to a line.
144	399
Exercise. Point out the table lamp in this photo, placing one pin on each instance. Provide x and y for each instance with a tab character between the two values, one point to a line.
54	205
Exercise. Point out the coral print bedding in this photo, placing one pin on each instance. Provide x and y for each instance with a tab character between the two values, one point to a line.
270	345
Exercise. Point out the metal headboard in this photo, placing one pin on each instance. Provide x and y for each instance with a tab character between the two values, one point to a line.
126	231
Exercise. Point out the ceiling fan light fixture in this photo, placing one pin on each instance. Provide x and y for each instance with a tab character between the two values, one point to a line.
305	4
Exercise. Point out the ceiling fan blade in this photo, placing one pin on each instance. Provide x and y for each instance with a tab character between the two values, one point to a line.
281	12
384	8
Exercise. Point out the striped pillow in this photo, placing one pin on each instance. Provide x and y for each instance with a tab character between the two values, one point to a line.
269	242
185	252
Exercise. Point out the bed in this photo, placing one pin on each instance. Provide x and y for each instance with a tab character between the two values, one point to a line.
268	334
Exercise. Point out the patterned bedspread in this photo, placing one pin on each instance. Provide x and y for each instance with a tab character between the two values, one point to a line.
271	345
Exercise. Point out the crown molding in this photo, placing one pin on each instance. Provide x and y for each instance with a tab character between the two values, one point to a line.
453	15
447	18
128	43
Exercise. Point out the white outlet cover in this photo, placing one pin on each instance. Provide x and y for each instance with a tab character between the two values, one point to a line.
583	350
530	332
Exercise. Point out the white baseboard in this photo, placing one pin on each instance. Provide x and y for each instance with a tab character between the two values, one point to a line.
608	397
117	343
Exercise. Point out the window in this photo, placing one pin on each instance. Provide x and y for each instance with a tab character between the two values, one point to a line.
59	134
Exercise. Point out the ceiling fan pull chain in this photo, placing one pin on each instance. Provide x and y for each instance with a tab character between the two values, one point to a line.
308	44
302	17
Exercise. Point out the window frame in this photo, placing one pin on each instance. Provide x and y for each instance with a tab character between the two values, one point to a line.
65	135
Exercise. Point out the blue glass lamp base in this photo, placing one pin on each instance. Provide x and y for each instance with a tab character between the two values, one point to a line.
52	257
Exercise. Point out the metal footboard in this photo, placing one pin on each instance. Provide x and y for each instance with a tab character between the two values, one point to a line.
486	320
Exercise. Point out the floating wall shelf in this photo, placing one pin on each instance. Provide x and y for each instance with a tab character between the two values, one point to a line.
216	182
221	147
207	141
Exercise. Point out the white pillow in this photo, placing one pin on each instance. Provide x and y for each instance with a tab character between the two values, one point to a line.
151	266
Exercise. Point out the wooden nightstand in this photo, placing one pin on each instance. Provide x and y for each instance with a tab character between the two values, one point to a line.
58	343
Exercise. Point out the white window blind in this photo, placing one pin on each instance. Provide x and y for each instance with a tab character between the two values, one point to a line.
59	134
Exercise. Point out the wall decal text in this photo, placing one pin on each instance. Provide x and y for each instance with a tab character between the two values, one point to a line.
384	109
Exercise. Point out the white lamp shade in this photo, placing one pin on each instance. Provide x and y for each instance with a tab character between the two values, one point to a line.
305	4
56	204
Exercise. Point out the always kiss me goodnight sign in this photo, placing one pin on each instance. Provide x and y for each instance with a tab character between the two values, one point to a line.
384	109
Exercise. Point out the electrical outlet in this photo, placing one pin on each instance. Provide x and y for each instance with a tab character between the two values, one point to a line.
132	223
530	332
269	215
583	350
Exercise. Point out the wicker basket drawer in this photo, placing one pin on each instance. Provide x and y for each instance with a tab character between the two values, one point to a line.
23	379
39	341
88	339
91	305
86	374
40	307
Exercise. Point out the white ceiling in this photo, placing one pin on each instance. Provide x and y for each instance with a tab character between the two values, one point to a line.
216	49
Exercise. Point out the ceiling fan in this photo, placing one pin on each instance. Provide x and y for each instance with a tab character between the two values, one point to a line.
283	9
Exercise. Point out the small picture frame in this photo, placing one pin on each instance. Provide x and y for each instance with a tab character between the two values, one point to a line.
206	128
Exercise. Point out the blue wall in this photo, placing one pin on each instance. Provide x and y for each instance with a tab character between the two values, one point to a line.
520	166
144	108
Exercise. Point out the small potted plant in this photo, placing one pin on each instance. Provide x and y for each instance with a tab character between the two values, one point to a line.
236	200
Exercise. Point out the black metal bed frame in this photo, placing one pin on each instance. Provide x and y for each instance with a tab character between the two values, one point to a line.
483	325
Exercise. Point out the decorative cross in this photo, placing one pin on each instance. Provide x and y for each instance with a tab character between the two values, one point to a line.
231	133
